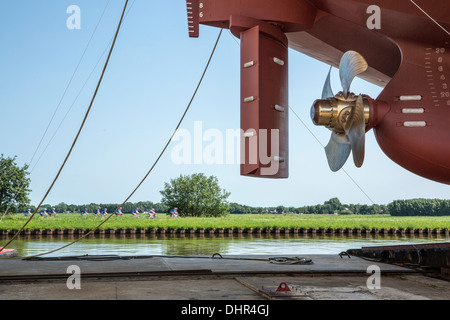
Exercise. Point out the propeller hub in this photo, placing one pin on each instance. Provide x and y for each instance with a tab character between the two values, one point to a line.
333	113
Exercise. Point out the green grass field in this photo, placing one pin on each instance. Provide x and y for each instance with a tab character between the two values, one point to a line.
75	221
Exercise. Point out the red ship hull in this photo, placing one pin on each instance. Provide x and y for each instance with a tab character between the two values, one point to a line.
408	54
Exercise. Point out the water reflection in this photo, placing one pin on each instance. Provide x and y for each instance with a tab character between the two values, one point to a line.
171	244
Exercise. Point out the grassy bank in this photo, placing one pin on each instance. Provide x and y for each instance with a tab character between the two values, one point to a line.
75	221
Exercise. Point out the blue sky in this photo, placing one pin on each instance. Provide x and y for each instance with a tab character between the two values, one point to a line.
152	74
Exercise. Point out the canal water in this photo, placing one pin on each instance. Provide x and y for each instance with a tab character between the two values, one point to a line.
126	245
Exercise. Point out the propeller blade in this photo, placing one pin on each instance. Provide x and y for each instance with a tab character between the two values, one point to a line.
352	64
327	92
337	151
355	127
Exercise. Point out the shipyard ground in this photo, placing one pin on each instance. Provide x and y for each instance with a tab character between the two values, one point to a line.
326	277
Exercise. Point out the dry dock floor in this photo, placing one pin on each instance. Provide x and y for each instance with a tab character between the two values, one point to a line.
329	277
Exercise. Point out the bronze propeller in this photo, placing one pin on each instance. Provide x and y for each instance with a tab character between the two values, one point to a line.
345	114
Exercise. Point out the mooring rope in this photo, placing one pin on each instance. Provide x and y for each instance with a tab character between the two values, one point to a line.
154	164
79	131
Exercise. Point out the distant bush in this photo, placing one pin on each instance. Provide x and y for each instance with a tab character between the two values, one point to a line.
345	212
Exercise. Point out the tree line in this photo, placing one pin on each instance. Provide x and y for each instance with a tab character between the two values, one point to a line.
419	207
199	195
411	207
331	206
128	207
